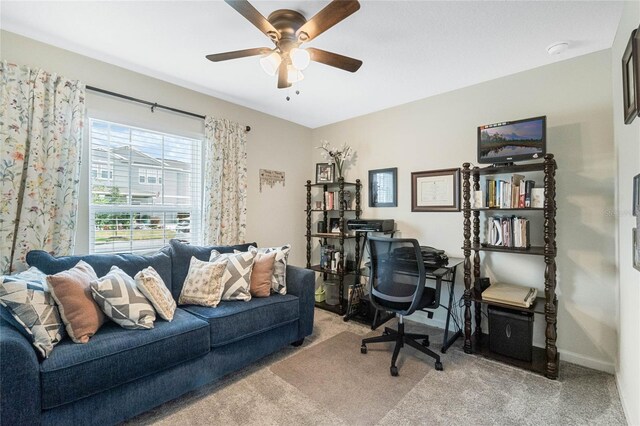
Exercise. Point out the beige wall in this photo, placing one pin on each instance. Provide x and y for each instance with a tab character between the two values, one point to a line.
627	145
274	216
440	132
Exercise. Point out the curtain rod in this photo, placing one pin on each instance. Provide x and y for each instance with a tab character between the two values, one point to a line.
153	105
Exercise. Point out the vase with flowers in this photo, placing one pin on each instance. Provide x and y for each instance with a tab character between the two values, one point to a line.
336	155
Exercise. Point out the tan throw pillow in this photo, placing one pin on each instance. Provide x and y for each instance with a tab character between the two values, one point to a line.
80	314
279	279
261	275
153	287
203	285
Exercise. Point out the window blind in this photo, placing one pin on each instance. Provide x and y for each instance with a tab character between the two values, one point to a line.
144	189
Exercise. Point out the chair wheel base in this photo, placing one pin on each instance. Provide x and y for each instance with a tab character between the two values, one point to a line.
439	366
394	371
363	349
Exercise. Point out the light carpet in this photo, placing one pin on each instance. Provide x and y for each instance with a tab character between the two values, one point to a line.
336	385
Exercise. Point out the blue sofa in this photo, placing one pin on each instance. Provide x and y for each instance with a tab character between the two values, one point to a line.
121	373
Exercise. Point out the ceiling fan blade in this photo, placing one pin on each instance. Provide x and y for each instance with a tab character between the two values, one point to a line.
244	8
283	78
334	60
335	12
217	57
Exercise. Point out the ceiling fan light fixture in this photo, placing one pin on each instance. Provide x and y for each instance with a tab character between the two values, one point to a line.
300	58
271	62
294	75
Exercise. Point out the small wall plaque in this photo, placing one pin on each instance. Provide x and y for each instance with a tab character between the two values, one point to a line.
271	177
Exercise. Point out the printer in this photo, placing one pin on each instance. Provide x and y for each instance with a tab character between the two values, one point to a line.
370	225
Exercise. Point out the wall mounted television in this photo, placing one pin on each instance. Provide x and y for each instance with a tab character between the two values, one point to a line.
511	141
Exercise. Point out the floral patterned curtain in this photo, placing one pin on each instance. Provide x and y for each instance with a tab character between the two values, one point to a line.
41	116
225	185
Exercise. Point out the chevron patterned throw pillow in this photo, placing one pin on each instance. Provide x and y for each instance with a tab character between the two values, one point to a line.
237	276
26	298
120	300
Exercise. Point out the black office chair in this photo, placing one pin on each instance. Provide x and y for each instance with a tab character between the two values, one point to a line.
397	283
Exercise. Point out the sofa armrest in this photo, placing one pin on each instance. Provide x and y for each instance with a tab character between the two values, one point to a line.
301	283
19	379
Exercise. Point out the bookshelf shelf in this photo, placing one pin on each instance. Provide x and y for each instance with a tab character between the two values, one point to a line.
538	362
537	307
319	268
331	235
516	168
533	250
545	360
482	209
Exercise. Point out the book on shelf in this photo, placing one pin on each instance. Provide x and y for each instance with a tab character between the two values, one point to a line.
516	183
537	198
508	231
477	200
529	185
514	193
510	294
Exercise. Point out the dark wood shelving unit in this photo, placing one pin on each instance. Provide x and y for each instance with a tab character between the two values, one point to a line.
340	186
545	360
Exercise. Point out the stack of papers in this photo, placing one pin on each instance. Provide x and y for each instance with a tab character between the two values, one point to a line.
510	294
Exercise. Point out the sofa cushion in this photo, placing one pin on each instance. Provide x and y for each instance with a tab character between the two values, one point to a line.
181	254
233	320
102	263
115	356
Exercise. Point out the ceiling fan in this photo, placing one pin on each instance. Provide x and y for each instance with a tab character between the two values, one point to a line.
288	29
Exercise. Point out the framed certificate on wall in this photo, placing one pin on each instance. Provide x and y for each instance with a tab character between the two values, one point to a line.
435	191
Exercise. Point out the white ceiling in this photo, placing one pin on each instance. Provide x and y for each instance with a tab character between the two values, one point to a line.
410	49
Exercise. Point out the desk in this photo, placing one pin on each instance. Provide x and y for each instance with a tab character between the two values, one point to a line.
450	278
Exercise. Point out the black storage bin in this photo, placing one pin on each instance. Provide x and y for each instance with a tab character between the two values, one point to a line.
511	332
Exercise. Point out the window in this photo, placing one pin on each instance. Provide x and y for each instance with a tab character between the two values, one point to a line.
145	188
150	176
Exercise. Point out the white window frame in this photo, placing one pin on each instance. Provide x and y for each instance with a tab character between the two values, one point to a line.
194	209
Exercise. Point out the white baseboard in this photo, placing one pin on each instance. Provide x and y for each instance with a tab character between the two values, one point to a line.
586	361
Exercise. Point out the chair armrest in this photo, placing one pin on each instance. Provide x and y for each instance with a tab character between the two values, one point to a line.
19	379
301	283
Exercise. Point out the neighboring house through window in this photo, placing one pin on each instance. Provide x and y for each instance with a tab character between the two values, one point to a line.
145	188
